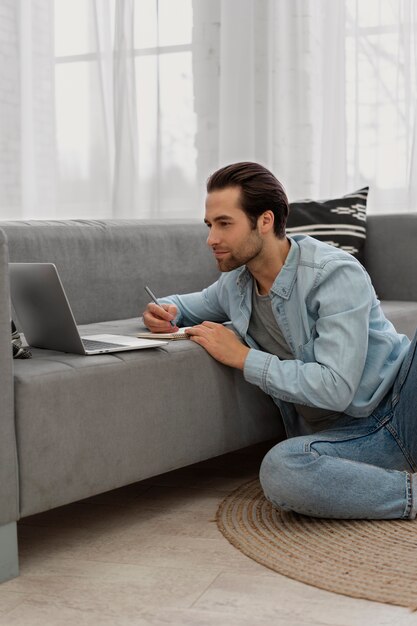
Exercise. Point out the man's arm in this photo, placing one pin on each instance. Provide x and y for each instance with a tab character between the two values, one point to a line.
329	367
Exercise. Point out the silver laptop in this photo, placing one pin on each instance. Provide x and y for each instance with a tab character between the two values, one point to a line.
46	317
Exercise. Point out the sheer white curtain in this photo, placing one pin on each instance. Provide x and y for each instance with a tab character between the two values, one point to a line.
118	102
96	109
122	108
135	157
28	162
381	85
280	95
321	91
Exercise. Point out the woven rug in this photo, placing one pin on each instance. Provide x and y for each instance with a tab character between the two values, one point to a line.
375	560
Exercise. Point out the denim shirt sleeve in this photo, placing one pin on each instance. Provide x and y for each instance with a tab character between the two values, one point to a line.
328	367
194	308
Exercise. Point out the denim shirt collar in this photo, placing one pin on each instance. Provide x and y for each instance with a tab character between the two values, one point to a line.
284	282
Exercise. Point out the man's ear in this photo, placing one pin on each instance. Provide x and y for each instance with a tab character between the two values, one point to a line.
266	222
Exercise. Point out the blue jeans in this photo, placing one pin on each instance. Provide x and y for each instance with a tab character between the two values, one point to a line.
363	468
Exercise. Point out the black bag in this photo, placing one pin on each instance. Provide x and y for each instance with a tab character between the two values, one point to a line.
19	351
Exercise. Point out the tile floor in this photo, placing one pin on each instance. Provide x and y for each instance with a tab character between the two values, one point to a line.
151	554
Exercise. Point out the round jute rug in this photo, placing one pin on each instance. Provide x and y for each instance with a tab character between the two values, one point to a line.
376	560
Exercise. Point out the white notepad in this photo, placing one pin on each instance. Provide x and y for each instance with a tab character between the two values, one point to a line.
175	336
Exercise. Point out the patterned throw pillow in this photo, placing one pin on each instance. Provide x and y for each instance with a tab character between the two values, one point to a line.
19	351
341	222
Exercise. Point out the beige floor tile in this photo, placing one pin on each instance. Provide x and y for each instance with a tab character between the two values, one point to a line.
184	552
113	588
37	543
192	617
159	539
165	539
9	599
185	523
276	596
44	612
132	526
41	612
183	498
151	554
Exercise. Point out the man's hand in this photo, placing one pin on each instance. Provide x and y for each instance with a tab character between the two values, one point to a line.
220	342
157	317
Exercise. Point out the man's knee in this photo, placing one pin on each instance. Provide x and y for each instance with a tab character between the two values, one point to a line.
278	473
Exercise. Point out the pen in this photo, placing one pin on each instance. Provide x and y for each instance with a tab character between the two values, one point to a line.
156	301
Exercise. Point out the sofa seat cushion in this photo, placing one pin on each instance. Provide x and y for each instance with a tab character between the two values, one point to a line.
108	420
402	314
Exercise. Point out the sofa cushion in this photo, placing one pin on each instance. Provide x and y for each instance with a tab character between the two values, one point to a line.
402	314
85	424
339	222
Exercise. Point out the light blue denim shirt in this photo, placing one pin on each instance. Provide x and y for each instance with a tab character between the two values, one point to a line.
347	354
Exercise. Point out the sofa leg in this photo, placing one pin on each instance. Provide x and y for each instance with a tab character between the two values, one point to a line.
9	563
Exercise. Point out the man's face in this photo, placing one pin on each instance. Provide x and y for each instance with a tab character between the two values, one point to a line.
232	239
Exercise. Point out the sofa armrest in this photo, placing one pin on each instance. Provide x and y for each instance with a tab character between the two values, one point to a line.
9	495
391	255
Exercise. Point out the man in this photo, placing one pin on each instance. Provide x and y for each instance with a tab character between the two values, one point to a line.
309	332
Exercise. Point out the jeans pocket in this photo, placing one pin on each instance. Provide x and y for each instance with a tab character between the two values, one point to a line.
375	445
348	428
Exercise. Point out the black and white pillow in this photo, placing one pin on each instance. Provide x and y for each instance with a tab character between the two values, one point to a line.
340	222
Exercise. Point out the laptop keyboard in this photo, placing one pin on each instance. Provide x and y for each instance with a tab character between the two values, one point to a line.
91	344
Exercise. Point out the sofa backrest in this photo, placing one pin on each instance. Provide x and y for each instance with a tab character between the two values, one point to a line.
105	264
390	255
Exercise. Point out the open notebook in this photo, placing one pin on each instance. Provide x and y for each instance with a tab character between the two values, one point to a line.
178	334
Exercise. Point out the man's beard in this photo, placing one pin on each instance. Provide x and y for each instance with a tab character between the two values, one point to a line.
243	256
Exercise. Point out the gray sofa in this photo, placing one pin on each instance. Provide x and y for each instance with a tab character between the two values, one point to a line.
74	426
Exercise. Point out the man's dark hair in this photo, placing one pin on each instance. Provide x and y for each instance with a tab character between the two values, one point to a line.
260	191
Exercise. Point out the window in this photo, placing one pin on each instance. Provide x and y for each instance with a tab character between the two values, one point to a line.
165	118
380	95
